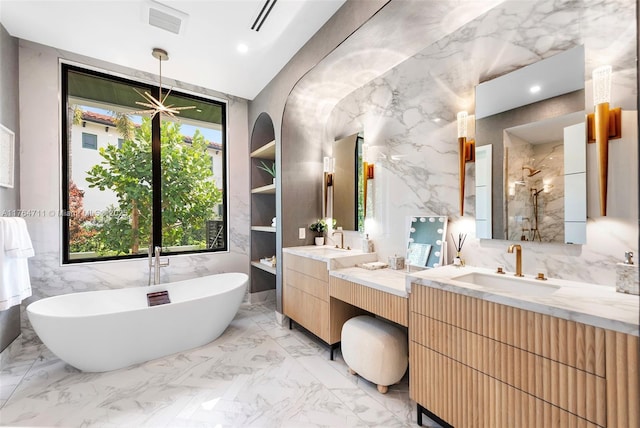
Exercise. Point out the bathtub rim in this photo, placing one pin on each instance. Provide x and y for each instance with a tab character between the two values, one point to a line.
32	308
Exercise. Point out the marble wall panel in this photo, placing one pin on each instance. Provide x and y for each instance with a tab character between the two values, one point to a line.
408	119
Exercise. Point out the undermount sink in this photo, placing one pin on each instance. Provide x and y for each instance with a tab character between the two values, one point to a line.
511	284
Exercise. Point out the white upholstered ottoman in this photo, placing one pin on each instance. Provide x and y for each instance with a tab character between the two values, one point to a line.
375	349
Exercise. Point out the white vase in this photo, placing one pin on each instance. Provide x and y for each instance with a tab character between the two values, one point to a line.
319	240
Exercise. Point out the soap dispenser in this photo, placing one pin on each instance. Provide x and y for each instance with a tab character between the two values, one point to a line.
627	278
367	244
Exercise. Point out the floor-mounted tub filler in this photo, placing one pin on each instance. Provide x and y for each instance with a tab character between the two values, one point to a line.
98	331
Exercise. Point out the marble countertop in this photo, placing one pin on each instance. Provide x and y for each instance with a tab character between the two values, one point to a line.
387	280
591	304
335	258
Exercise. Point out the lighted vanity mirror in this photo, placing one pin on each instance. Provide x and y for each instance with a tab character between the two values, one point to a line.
425	244
538	157
344	191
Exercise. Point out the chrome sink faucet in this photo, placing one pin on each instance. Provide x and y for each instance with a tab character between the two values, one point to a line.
518	250
341	239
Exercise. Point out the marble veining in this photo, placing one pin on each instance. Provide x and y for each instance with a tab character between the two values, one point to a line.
522	224
408	118
257	373
586	303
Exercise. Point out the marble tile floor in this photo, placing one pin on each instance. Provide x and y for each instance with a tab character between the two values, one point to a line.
257	374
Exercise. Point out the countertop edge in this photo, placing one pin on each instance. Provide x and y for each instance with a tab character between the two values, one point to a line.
366	283
543	308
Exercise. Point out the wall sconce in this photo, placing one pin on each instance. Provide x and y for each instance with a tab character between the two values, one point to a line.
367	174
603	125
466	152
329	166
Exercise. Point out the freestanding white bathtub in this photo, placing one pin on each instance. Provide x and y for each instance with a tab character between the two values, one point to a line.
97	331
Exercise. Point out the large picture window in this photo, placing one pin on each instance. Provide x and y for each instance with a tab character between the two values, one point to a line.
151	180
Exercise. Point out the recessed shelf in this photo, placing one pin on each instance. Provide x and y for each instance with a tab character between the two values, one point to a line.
271	270
268	151
268	189
264	229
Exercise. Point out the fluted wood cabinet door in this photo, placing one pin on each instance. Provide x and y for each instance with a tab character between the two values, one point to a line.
305	294
306	300
479	363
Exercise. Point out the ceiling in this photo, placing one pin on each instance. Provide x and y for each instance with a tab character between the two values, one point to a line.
203	51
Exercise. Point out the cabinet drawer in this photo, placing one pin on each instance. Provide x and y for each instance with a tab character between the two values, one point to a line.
389	306
308	311
465	397
568	342
308	284
566	387
314	268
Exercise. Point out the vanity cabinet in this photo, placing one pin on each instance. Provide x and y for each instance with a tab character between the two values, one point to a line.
305	298
479	363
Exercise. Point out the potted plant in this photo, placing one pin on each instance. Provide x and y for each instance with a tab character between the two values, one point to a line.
320	226
271	170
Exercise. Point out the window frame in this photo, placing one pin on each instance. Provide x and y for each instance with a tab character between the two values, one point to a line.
156	164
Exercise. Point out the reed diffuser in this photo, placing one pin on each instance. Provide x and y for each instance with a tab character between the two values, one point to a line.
458	260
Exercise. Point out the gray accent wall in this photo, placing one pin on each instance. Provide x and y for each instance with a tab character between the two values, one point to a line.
9	198
298	186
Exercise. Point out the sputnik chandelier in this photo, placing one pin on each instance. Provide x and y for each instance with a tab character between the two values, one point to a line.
155	106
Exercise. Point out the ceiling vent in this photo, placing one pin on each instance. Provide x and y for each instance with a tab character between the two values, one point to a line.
264	13
165	17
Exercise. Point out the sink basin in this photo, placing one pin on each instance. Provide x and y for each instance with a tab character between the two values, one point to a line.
325	248
510	284
329	252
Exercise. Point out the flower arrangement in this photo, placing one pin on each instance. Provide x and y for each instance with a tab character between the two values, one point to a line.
271	170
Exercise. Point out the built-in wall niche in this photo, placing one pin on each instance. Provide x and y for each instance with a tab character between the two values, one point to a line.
534	119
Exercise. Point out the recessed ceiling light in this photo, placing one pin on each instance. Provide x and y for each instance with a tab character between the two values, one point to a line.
243	48
534	89
436	119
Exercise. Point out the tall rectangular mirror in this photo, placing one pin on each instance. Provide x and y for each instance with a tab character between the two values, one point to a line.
534	119
344	191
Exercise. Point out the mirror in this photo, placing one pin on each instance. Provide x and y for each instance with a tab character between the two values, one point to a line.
530	178
344	198
427	235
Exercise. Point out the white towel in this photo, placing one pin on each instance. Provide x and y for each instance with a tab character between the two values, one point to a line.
15	248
